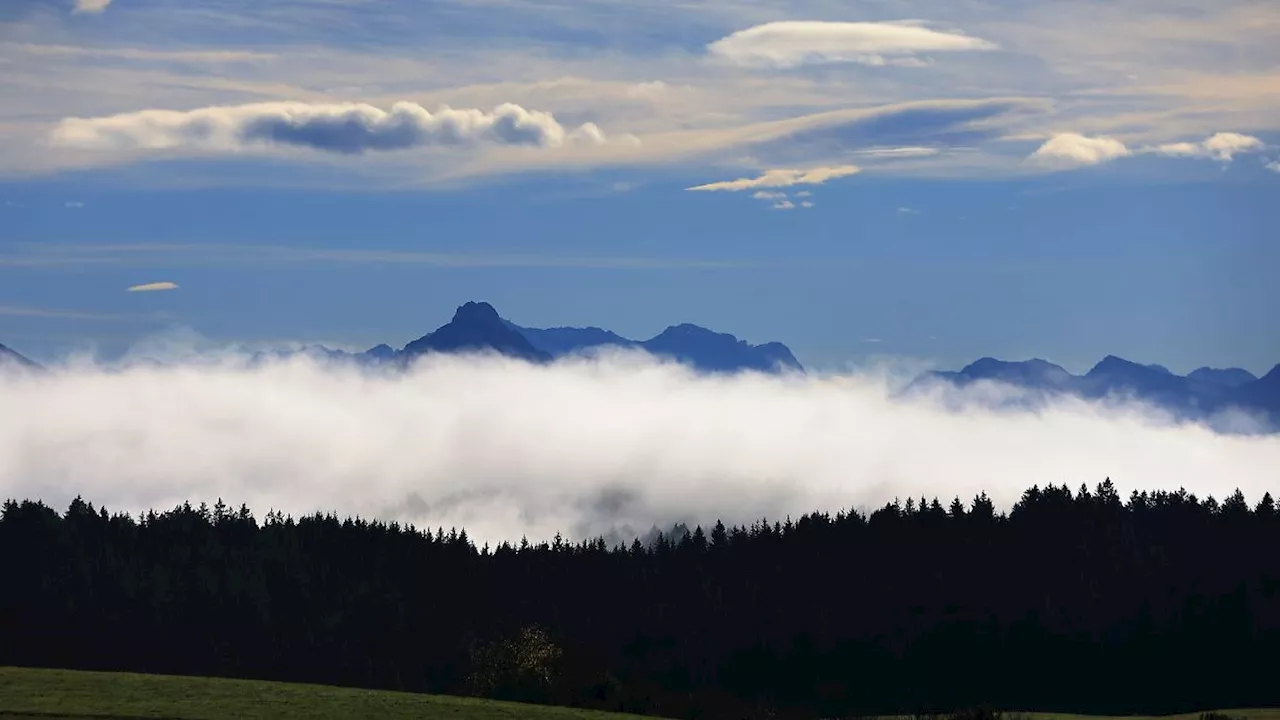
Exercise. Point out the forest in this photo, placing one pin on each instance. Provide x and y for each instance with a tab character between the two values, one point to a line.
1082	602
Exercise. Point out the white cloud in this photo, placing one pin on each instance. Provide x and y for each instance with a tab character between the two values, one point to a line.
1075	150
782	178
337	128
505	449
1274	166
91	7
793	43
152	287
74	204
1223	147
898	152
780	201
1145	77
652	90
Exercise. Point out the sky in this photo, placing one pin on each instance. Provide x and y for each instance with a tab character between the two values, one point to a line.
930	179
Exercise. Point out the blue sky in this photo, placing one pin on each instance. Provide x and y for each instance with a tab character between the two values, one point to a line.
937	180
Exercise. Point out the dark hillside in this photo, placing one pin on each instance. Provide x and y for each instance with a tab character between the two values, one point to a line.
1072	602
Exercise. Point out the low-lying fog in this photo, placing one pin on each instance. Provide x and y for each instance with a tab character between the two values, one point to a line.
585	447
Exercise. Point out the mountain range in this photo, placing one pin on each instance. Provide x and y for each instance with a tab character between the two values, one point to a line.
477	326
1197	395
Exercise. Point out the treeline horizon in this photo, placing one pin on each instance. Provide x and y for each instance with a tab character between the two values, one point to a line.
1075	602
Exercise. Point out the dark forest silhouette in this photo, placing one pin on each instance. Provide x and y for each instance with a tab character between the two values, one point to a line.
1071	602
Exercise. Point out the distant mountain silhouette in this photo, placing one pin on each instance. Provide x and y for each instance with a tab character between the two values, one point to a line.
315	352
11	357
560	341
1194	396
378	353
1152	383
1032	373
698	347
478	325
1262	394
1225	377
475	327
719	352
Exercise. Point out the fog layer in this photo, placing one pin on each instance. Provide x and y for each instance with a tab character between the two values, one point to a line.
613	445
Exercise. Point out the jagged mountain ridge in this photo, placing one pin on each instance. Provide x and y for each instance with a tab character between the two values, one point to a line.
477	326
1197	394
705	350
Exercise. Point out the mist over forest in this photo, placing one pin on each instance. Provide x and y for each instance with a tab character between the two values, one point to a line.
608	446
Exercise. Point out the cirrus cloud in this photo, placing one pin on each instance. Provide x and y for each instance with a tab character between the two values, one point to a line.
782	178
344	128
790	44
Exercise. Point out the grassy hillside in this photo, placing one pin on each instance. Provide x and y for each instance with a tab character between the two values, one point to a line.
26	693
1270	714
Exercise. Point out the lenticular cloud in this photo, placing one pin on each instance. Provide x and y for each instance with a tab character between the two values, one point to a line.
789	44
347	128
603	447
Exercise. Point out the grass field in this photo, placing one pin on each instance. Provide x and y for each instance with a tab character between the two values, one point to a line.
30	694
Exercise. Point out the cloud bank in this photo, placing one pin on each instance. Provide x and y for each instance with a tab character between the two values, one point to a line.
791	44
1074	150
153	287
589	447
347	128
781	178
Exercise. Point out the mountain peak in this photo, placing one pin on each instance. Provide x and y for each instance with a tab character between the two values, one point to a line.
382	351
476	313
1035	372
718	352
8	355
476	326
691	330
1224	377
1112	363
1272	377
